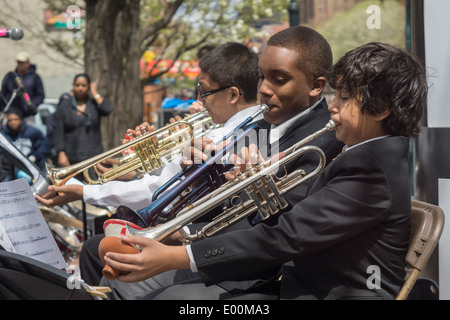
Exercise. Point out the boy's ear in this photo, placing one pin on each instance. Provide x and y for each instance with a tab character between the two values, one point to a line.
383	115
318	86
235	94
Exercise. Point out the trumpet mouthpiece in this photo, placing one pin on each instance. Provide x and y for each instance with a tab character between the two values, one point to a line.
264	107
331	125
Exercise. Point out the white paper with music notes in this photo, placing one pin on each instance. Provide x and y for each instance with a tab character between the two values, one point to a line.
23	229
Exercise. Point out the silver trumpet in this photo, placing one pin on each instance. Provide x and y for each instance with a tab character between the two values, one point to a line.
264	189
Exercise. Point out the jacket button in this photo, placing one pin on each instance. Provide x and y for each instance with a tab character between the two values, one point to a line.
214	252
221	250
208	254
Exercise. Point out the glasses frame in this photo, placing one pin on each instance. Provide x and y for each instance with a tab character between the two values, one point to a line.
203	95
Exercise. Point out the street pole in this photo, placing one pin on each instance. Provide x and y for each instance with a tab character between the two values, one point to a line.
293	13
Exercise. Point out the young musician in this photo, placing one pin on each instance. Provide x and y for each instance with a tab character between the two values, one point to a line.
293	70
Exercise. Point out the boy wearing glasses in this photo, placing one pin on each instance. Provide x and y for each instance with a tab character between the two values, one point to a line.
230	63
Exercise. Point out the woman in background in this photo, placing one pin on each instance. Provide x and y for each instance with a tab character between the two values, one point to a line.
77	122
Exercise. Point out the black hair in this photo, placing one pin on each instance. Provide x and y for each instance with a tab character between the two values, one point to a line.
384	78
204	50
233	64
82	75
316	57
15	111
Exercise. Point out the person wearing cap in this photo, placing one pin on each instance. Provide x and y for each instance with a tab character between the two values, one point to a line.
29	140
32	83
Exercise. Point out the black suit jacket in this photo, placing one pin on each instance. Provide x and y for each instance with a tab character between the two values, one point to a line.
350	231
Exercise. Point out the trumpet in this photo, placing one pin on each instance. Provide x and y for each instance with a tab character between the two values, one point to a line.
259	182
211	174
148	149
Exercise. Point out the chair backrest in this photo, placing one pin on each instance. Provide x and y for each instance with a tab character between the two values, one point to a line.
427	223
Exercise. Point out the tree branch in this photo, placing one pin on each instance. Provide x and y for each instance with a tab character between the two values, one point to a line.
161	23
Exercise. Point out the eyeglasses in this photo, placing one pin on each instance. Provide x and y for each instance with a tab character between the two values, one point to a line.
203	95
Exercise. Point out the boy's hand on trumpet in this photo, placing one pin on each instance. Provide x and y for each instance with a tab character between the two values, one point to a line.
200	150
197	152
248	157
195	107
144	127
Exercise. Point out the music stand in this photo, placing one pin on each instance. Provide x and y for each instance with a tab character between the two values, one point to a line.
23	278
13	96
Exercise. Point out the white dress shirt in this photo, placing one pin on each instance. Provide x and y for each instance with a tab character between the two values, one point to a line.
277	131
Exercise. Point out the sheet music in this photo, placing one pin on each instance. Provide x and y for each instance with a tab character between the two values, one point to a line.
23	229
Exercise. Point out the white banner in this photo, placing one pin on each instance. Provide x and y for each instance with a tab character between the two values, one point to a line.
444	242
437	57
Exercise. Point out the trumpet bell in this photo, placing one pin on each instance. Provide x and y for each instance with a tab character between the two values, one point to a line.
127	214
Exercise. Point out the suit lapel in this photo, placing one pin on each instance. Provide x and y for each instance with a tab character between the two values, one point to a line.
301	128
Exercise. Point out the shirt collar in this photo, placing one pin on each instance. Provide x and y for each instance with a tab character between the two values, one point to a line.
217	135
242	115
277	131
346	148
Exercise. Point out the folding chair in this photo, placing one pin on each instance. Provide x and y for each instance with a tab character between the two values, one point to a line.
427	223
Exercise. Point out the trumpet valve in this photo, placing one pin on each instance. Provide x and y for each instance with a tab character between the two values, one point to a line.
249	171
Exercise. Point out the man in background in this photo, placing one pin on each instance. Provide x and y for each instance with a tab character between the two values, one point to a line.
25	73
29	140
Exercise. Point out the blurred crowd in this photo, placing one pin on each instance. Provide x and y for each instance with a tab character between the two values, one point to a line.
72	132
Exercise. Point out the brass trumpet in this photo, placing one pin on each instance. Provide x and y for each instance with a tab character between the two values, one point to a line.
264	188
147	152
